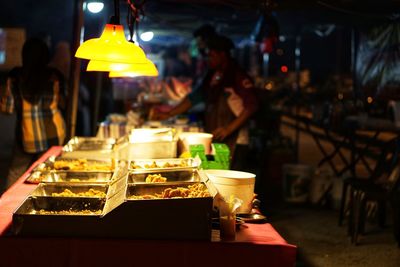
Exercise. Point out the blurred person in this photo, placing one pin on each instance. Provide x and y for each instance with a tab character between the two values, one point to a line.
173	65
174	89
184	56
202	35
229	97
179	74
181	86
35	93
177	84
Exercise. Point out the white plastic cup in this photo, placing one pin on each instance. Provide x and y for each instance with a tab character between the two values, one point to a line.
234	183
188	138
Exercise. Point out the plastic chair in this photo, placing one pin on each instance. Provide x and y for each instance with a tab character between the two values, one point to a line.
384	164
380	192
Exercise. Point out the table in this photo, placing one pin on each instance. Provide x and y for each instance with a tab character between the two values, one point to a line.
369	143
360	141
387	149
255	245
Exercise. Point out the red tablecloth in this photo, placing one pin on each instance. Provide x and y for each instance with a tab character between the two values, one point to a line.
255	245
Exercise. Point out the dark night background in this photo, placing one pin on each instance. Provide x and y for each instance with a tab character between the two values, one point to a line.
332	36
174	21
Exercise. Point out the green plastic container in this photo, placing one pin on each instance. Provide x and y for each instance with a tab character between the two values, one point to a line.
221	156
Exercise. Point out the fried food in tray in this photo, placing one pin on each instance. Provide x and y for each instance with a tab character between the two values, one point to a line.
67	190
158	165
155	178
69	177
194	190
61	206
68	212
90	193
175	163
81	165
69	164
164	176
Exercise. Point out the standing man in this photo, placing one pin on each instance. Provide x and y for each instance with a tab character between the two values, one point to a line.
229	97
202	35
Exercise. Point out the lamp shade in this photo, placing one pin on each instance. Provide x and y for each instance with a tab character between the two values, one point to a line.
97	65
136	70
112	46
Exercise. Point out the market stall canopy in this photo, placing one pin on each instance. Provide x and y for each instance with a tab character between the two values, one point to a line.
175	20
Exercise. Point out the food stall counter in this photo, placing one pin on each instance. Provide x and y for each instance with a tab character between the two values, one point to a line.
255	244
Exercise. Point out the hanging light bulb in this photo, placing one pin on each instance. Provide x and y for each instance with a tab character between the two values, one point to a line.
147	36
135	70
95	6
112	46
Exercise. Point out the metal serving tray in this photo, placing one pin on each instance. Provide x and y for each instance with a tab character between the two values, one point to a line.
129	148
30	220
164	164
35	177
47	190
89	147
90	165
154	188
183	175
150	135
175	218
35	204
70	177
89	143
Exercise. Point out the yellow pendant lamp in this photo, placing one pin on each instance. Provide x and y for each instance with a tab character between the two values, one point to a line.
113	53
112	46
136	70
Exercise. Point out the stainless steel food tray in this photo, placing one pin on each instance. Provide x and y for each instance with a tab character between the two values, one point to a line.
89	144
89	147
164	164
69	177
156	188
29	219
183	175
129	148
188	218
175	218
146	135
33	205
49	165
47	190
